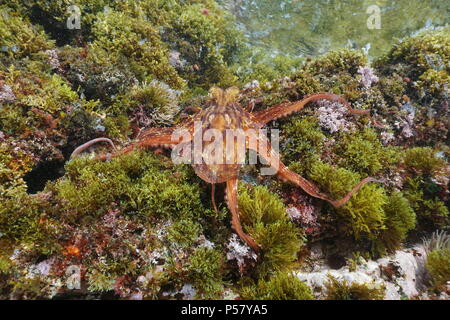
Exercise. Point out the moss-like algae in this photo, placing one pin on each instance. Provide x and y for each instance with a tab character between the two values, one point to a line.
141	227
281	286
342	290
438	264
264	217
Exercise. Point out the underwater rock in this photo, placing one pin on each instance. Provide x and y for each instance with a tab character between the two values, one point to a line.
140	227
403	274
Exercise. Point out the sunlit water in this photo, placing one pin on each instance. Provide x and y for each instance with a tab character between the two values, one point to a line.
313	27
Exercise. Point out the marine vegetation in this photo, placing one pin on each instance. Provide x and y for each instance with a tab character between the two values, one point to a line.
92	205
438	259
225	114
438	262
280	286
337	290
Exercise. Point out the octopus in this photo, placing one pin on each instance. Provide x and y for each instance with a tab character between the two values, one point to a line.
225	114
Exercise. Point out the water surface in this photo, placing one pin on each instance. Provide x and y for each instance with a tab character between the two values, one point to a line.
313	27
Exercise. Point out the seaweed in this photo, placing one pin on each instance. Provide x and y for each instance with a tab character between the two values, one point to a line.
281	286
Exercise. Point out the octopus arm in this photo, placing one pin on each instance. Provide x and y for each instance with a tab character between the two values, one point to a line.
232	201
152	137
272	158
285	109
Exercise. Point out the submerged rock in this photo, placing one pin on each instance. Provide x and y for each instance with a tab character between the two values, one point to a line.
403	274
138	227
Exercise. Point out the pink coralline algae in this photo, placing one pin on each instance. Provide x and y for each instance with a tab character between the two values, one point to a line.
53	59
306	216
303	213
368	77
407	131
406	124
141	117
175	60
109	218
332	116
188	292
286	82
293	213
136	296
252	85
6	94
240	252
43	268
387	137
203	242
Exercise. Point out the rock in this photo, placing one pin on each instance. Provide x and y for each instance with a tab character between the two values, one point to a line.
403	274
411	269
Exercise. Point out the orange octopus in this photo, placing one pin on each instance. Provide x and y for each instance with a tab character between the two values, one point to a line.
223	114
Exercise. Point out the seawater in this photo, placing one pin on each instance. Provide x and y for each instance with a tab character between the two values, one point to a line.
313	27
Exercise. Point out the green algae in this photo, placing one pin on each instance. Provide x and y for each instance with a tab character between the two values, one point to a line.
430	209
263	216
281	286
400	219
363	215
20	38
363	152
137	223
137	42
137	183
423	160
438	262
305	140
342	290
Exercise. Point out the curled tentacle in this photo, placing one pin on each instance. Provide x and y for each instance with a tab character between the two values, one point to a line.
315	192
90	143
153	137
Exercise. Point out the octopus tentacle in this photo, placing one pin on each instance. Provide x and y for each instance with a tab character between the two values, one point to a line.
153	137
90	143
310	188
231	197
213	196
285	109
314	191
